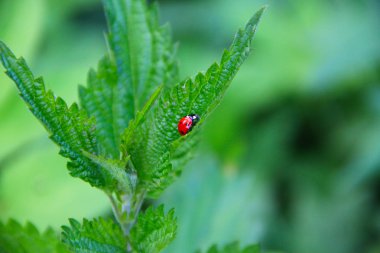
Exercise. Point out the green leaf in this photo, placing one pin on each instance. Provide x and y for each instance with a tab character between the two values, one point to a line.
15	238
98	100
170	165
142	58
98	235
154	230
117	177
157	140
234	248
140	117
69	127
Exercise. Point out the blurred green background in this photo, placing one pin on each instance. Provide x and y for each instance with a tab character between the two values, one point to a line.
291	158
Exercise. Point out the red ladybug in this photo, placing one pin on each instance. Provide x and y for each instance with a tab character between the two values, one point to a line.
186	124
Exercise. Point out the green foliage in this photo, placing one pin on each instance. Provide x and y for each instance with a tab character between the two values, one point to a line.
141	58
69	126
140	117
154	230
98	235
234	248
117	142
96	99
15	238
156	140
117	178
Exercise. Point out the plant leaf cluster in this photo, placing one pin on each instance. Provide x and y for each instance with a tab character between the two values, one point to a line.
98	235
123	136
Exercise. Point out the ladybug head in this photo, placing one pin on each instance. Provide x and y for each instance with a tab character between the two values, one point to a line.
195	118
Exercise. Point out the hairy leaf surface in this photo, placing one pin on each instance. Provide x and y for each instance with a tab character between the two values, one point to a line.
141	58
118	178
98	100
154	230
98	235
157	140
69	127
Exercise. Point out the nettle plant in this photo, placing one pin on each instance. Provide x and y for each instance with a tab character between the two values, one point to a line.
123	137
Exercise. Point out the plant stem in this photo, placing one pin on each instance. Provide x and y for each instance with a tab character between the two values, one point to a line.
138	201
117	212
126	211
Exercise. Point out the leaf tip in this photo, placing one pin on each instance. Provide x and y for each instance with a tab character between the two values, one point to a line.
3	47
5	54
256	17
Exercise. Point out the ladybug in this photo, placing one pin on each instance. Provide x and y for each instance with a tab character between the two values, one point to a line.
186	124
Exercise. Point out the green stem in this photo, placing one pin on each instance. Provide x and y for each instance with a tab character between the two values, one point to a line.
117	212
138	201
126	210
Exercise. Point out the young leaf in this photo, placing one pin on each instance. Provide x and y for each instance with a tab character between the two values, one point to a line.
15	238
118	179
156	140
69	127
140	117
141	58
170	165
154	230
234	248
94	236
98	100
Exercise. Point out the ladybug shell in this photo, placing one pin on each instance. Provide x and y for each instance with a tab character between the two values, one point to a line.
187	123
